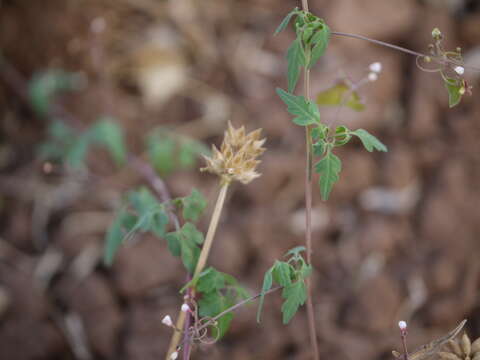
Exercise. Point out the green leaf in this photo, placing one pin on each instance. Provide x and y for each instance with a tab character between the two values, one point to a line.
115	235
295	252
211	280
320	41
305	270
44	86
190	232
189	152
212	304
189	253
319	148
296	60
285	21
329	167
173	242
295	295
305	111
193	205
369	141
109	134
77	151
161	152
267	284
336	96
455	88
159	221
282	273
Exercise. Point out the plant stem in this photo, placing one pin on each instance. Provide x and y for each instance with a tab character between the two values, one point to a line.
202	260
212	228
378	42
308	211
236	306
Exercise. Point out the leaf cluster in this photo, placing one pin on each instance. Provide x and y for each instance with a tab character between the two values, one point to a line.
312	36
291	275
143	213
67	145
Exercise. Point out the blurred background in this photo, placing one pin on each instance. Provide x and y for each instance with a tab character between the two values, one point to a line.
398	238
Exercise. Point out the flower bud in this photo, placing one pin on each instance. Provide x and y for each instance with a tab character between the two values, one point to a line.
186	308
372	77
167	320
402	325
436	34
376	67
174	355
459	70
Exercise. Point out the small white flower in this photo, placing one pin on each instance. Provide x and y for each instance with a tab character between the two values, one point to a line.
372	77
375	67
459	70
185	308
174	355
402	325
167	320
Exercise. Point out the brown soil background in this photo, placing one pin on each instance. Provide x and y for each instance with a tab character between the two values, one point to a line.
411	253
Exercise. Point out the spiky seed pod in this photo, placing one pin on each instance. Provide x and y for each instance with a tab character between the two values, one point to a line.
466	344
476	346
453	347
463	349
237	157
448	356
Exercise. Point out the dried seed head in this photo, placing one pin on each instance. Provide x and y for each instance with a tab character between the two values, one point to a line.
237	157
462	349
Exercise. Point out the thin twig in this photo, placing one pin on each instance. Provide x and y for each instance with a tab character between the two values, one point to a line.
235	307
379	42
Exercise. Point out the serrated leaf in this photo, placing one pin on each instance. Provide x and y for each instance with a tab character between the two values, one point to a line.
189	152
267	284
142	200
211	280
282	273
295	252
305	111
44	86
211	304
193	205
110	135
77	151
369	141
116	235
305	270
286	21
190	232
319	148
161	153
189	253
173	242
335	96
296	60
454	91
329	167
295	295
320	41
